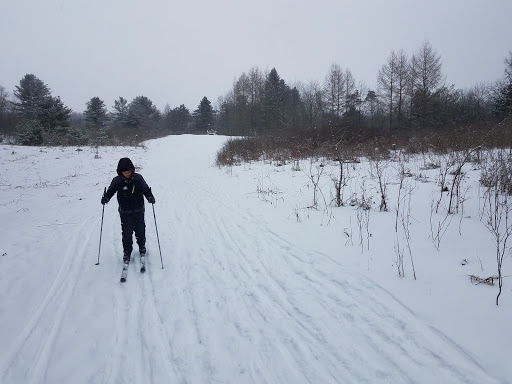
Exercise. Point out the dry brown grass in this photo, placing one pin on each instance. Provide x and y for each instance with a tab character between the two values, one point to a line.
287	148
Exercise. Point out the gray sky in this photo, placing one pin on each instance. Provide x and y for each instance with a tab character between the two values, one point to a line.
177	52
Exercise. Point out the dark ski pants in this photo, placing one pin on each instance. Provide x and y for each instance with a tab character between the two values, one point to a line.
133	222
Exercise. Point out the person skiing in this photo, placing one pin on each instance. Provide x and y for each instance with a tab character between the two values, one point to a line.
131	189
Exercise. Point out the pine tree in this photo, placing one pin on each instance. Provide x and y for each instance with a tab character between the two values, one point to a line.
120	113
276	98
43	117
31	93
96	114
178	119
29	132
53	114
55	118
96	118
142	113
204	116
503	98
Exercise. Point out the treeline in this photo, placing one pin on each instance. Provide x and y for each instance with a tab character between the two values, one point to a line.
411	98
36	117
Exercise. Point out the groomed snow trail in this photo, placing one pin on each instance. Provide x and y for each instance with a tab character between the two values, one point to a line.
237	301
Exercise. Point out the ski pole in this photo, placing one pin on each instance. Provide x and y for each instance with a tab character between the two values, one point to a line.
158	239
101	229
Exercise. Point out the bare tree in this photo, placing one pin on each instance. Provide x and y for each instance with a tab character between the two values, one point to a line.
402	76
334	86
399	258
427	81
256	84
363	213
496	210
339	183
7	121
458	176
314	176
404	214
386	84
311	94
401	178
4	100
406	223
438	227
380	166
446	163
349	88
391	84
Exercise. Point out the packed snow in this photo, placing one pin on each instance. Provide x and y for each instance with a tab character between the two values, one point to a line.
261	283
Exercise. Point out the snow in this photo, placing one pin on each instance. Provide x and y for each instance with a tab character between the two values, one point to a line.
257	287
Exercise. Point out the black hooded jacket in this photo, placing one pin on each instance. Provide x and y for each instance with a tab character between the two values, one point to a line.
130	192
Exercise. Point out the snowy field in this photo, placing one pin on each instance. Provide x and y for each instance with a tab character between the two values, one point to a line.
257	286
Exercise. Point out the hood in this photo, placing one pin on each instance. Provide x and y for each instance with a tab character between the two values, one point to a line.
125	164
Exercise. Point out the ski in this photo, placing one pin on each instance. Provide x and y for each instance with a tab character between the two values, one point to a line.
143	263
124	273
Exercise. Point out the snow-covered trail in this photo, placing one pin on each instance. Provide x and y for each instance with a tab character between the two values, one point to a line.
237	301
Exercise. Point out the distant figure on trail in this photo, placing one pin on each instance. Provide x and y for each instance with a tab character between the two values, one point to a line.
131	189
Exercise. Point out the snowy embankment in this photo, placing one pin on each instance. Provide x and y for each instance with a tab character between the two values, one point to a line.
257	287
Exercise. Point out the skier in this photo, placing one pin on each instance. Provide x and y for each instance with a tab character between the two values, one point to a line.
131	189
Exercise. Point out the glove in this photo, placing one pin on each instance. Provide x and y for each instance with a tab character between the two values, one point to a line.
151	199
104	199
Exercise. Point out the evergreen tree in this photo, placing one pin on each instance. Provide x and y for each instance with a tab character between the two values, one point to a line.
54	115
42	115
275	98
204	116
55	119
296	109
96	118
29	132
120	113
77	136
503	98
178	119
371	107
353	106
31	93
142	113
96	114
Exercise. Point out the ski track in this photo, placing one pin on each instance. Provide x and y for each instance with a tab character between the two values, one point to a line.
294	338
140	350
158	345
34	343
229	307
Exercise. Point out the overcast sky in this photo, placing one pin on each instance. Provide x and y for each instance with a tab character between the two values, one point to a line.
177	52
